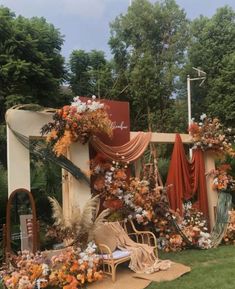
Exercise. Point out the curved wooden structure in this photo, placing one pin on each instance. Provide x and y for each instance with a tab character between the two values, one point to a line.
8	248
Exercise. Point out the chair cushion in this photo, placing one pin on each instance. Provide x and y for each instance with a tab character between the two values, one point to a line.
103	235
117	254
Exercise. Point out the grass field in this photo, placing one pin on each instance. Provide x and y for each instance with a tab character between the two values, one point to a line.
210	269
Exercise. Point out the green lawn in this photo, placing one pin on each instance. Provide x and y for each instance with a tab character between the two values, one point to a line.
210	269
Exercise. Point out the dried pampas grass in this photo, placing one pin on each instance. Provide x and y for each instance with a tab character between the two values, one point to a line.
80	223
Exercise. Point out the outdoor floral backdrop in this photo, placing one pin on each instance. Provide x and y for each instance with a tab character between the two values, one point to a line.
116	196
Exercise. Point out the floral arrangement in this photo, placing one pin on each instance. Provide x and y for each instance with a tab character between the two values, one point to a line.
209	134
142	197
70	269
140	200
77	122
134	198
222	180
229	237
195	227
109	181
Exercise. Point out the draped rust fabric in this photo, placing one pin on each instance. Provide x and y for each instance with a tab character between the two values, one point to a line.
186	179
199	181
128	152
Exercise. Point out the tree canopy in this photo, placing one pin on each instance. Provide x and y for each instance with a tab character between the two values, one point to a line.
90	73
148	44
212	48
31	65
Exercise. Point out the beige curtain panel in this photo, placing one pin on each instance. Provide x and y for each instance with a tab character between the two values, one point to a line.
128	152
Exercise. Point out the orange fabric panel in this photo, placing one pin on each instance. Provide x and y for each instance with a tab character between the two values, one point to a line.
186	179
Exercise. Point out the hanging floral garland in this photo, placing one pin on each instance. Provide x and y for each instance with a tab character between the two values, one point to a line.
77	122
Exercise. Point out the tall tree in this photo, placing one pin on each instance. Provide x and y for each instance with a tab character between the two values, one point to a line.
212	48
91	73
148	44
31	66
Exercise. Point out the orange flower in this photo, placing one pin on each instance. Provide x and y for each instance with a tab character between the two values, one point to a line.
69	278
98	276
74	267
81	278
120	174
99	183
194	128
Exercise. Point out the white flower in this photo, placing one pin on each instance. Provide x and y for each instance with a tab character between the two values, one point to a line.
94	105
93	97
81	107
45	269
85	258
76	99
144	213
97	169
91	264
203	116
82	255
138	210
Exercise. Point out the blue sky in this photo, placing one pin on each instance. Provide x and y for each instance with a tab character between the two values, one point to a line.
85	23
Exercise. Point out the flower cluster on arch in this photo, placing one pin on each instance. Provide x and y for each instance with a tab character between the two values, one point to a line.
210	134
77	122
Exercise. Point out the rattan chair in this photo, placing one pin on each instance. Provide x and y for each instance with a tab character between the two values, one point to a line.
111	259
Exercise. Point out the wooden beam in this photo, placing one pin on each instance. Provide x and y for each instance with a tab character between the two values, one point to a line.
166	137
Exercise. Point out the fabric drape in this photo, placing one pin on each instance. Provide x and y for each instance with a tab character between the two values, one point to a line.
143	259
186	180
128	152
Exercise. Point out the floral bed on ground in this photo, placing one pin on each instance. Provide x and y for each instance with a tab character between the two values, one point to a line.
69	269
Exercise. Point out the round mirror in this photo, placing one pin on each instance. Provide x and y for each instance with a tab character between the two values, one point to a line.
21	224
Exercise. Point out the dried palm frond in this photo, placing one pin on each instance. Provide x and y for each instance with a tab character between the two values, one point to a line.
75	220
57	213
98	222
80	226
88	213
101	218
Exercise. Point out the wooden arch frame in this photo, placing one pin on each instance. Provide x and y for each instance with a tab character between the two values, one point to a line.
8	220
75	193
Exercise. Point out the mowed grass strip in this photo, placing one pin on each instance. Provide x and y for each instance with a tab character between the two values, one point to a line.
210	269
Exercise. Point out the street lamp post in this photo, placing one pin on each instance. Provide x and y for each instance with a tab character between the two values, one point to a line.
189	100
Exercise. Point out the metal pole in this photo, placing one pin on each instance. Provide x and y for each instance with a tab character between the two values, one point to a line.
189	109
189	100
